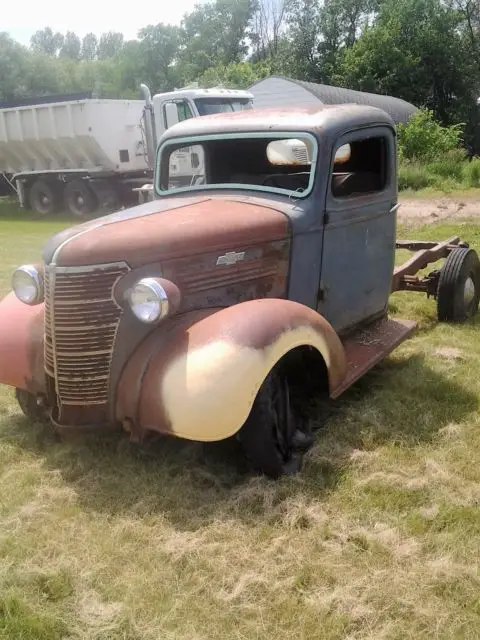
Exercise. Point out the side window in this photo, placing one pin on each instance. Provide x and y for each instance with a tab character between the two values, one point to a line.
360	167
183	112
186	167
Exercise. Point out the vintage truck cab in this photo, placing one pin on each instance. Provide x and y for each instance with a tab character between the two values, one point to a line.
195	314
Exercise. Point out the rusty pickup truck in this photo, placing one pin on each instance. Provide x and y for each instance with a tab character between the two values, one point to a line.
193	315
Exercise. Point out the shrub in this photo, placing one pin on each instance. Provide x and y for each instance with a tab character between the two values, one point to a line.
471	173
449	166
424	139
412	176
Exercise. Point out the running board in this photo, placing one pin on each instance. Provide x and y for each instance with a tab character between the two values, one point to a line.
367	346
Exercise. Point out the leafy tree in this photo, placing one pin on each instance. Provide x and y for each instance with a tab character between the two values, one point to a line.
159	49
215	33
71	46
469	11
109	45
268	27
89	47
13	64
238	75
45	41
304	27
414	51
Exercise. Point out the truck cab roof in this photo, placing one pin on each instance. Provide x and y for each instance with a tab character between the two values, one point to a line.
328	119
216	92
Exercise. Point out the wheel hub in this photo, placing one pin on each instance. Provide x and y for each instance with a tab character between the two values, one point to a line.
469	291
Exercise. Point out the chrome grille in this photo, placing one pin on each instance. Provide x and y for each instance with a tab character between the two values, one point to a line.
81	321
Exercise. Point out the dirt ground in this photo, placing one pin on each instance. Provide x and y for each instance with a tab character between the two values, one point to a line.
439	208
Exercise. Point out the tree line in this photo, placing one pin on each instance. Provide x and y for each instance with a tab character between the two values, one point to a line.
424	51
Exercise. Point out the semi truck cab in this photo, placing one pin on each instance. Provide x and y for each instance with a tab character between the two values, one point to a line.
167	109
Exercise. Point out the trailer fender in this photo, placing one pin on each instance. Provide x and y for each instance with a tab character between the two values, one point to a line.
21	345
198	378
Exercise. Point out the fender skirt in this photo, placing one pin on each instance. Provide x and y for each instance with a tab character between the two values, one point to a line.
21	345
197	377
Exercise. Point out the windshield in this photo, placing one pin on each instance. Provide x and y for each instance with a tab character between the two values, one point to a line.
209	106
276	163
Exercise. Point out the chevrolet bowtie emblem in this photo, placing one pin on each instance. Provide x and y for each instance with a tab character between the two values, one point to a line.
231	257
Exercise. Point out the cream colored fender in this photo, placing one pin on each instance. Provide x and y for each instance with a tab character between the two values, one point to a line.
197	376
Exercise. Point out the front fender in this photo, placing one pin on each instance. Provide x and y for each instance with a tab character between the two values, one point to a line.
197	378
21	345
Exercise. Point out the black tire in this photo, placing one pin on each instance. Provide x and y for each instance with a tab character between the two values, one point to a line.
269	438
79	198
44	197
29	406
458	292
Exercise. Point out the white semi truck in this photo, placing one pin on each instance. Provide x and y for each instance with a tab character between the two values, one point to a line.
82	154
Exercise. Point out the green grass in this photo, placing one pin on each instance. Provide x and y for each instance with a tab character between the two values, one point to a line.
377	538
450	174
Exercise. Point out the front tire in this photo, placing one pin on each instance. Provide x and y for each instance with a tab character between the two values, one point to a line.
270	438
29	406
458	292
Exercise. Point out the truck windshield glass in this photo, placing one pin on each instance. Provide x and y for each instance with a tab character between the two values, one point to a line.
209	106
276	164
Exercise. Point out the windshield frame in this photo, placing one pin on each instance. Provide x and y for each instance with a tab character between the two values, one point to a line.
274	135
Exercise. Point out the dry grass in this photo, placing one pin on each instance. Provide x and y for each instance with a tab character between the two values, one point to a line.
378	537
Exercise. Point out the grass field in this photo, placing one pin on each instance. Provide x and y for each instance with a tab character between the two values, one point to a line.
378	537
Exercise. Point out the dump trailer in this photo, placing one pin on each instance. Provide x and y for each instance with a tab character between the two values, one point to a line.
76	154
80	154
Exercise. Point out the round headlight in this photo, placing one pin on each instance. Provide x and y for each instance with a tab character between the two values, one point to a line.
27	284
148	300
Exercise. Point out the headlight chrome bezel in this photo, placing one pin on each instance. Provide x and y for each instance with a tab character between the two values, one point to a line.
36	277
158	292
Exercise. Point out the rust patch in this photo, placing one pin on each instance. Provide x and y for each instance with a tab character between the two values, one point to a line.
164	341
367	346
261	273
202	227
253	326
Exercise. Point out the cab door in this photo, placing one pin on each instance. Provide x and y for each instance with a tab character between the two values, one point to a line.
358	249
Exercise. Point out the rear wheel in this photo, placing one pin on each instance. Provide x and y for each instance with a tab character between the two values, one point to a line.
44	197
458	292
270	438
79	198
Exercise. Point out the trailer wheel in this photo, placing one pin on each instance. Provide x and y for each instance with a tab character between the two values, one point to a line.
79	198
270	440
44	197
458	292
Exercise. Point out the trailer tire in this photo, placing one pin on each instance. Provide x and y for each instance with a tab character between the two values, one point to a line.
458	292
44	197
79	198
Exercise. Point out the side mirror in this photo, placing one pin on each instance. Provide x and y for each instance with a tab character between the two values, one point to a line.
171	114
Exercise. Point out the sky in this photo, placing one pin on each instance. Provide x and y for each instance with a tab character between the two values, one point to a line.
96	16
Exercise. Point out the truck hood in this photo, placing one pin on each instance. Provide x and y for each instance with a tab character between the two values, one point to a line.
170	228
